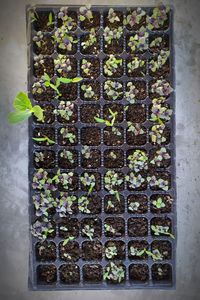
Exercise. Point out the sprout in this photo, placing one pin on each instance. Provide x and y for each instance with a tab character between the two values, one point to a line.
112	16
110	252
114	272
138	42
112	181
135	63
134	18
85	13
157	229
88	181
38	39
135	128
159	112
38	60
158	183
136	252
68	155
63	39
92	39
42	203
38	87
157	42
64	204
158	17
88	230
161	87
109	228
111	65
160	155
83	203
134	181
85	66
68	135
88	91
112	155
157	134
138	161
64	110
41	181
133	206
161	60
112	34
62	64
159	203
116	131
113	89
39	156
68	22
131	92
41	230
65	179
86	152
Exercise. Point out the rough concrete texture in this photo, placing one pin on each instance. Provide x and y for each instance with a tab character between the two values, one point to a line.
14	159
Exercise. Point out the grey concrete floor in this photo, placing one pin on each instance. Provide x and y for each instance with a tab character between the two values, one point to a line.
13	158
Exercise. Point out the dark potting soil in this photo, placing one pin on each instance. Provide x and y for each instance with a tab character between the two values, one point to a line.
139	245
46	67
139	272
93	162
40	132
94	71
69	252
69	274
136	113
89	112
94	223
113	158
161	272
46	95
90	136
143	204
136	140
41	24
164	247
45	251
49	116
46	274
92	273
47	46
48	159
92	250
137	227
68	227
65	163
117	227
164	71
114	107
112	205
112	138
65	141
93	49
68	91
120	245
92	23
116	46
95	204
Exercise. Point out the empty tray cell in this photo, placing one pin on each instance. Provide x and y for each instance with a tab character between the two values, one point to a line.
92	273
68	228
137	227
92	250
89	112
69	274
136	113
113	136
46	274
139	273
161	272
91	136
45	251
68	92
90	158
114	227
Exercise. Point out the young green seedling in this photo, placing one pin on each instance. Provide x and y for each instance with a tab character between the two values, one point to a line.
69	239
44	139
106	122
161	230
24	109
50	19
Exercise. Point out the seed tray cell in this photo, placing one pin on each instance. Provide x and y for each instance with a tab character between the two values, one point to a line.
81	263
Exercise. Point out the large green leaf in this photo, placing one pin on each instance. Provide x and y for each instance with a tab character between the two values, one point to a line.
38	112
18	116
22	102
64	80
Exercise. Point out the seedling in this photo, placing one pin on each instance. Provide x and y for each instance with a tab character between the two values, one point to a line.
156	64
113	89
157	229
65	179
38	39
24	109
110	252
155	254
68	135
137	252
112	16
42	181
44	139
135	64
92	39
88	91
109	228
65	203
114	272
50	19
83	203
157	42
111	65
138	42
116	131
69	239
86	152
38	60
107	122
157	134
63	39
135	181
85	13
158	182
112	181
131	93
160	155
42	203
112	34
135	128
68	155
113	155
158	18
160	113
65	110
110	204
158	203
134	17
42	230
133	206
86	66
62	64
138	161
68	22
39	157
33	15
161	87
88	230
88	181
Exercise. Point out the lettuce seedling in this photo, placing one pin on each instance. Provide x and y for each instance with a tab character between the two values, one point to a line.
114	272
24	109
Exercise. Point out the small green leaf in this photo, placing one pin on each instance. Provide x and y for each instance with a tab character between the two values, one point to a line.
76	79
38	112
50	19
64	80
44	139
82	18
18	116
22	102
99	120
46	77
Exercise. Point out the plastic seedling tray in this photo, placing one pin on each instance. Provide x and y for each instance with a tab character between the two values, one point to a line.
145	266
